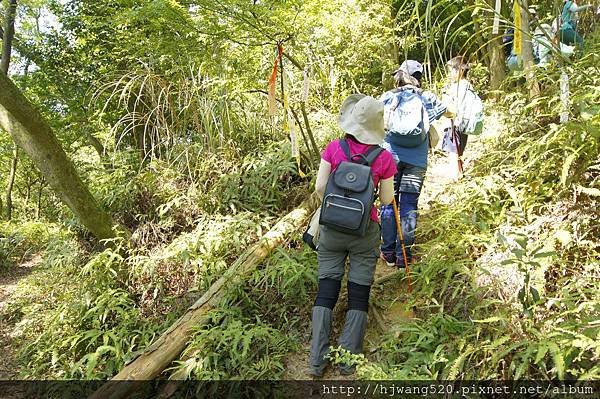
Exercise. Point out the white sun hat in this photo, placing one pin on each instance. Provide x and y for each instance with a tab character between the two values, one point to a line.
362	117
410	67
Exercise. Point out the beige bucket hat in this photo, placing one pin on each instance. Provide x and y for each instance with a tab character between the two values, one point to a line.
362	117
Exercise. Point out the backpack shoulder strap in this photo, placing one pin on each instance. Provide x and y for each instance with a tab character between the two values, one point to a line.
372	154
346	149
366	158
398	97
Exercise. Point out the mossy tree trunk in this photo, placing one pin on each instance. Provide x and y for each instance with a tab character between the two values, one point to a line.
8	35
496	52
527	50
29	130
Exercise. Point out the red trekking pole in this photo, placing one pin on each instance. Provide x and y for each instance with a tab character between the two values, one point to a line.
401	237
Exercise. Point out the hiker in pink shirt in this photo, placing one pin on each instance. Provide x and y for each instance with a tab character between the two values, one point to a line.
361	118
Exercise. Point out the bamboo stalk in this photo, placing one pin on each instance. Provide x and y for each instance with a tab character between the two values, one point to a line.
308	129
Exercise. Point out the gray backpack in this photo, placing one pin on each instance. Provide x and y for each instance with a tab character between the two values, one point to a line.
350	193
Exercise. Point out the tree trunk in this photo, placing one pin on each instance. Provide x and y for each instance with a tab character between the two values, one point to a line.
30	183
496	52
173	341
391	50
94	142
309	132
497	62
11	182
527	51
38	209
8	35
29	130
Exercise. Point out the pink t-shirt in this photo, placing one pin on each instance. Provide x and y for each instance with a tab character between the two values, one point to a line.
384	166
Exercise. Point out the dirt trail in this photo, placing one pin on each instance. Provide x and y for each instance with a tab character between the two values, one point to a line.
442	169
9	280
441	174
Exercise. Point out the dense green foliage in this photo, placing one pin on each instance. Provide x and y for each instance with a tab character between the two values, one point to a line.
162	107
508	284
260	323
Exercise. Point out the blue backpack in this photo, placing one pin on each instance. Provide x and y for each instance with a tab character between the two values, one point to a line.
405	116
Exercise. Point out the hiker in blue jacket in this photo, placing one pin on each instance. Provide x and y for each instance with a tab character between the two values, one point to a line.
411	160
568	29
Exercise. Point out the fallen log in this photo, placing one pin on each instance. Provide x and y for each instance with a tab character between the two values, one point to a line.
172	342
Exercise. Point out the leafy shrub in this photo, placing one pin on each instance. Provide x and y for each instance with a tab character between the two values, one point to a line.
261	182
236	349
283	291
193	261
25	239
90	329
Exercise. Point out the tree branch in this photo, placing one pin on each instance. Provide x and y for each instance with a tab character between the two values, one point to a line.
294	61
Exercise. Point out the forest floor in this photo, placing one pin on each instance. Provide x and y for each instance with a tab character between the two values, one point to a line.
9	281
390	299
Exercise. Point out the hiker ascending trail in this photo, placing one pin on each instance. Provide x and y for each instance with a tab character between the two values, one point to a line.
568	28
409	112
461	98
508	38
351	169
542	45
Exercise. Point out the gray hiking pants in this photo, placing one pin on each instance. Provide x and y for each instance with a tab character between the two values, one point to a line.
363	252
334	248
